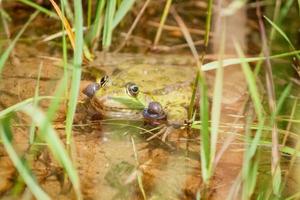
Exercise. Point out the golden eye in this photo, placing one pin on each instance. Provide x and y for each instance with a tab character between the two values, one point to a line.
132	89
104	80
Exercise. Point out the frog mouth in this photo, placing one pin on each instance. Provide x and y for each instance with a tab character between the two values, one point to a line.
118	110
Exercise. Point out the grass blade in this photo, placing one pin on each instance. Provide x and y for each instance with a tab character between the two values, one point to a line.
250	165
162	22
250	78
6	136
204	102
18	106
217	103
108	24
280	32
208	22
68	9
299	6
233	61
65	23
125	6
285	10
35	103
282	99
89	14
55	145
205	136
76	75
6	53
39	8
135	22
93	35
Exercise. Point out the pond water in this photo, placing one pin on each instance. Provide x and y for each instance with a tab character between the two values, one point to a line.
104	153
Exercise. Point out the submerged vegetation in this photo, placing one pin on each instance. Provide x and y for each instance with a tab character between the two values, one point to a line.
41	133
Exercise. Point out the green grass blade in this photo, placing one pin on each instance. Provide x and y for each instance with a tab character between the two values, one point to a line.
233	61
6	53
299	6
290	150
18	106
55	145
162	22
252	177
63	85
282	98
55	103
280	32
124	7
208	22
95	30
6	136
108	29
205	136
76	75
39	8
35	103
4	15
251	81
217	103
256	140
139	175
285	10
297	195
89	14
250	165
277	182
68	9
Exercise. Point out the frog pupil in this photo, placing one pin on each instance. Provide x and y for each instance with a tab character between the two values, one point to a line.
134	88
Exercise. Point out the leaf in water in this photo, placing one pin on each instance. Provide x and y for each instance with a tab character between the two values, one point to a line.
130	103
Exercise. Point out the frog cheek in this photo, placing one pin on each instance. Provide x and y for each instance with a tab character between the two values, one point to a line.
91	89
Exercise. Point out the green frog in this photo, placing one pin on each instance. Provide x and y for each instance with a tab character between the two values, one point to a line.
151	87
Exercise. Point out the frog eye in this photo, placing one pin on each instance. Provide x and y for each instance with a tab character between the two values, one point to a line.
104	80
132	89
